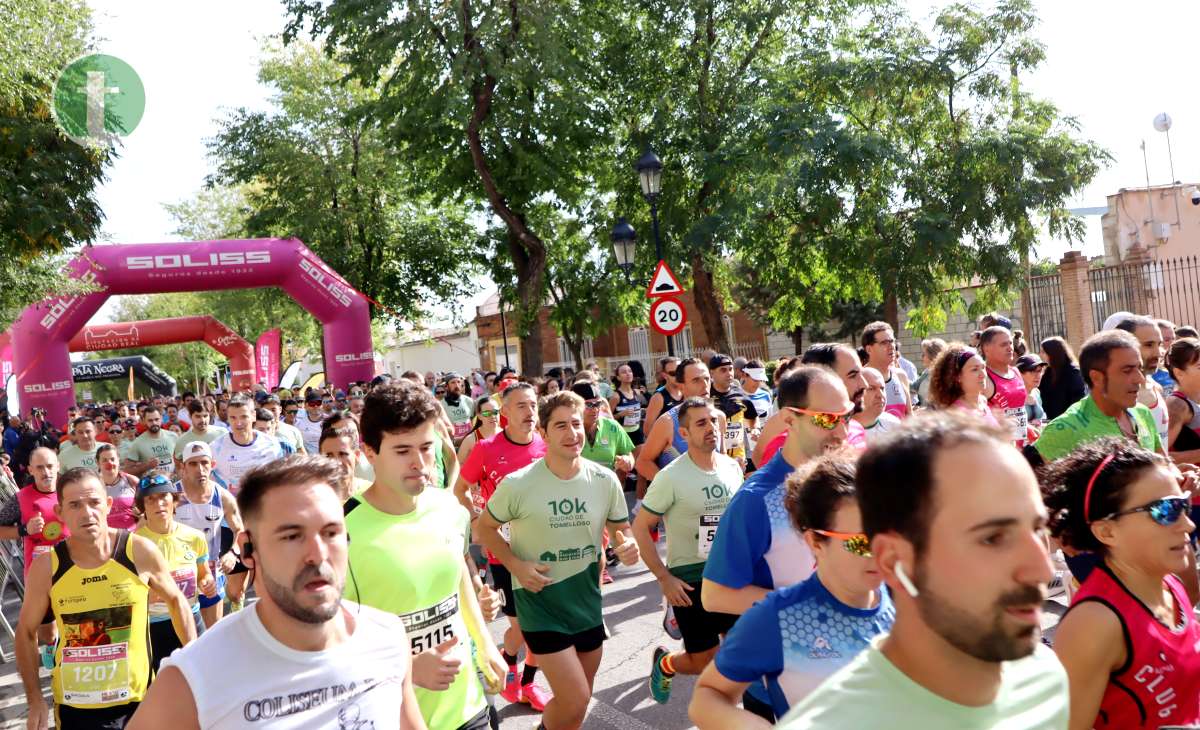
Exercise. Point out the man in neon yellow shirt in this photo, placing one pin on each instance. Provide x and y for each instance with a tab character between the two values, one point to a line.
408	557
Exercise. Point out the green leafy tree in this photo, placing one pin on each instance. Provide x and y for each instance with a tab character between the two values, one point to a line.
485	101
703	72
314	169
47	182
914	164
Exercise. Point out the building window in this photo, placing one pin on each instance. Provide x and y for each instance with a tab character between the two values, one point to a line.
586	351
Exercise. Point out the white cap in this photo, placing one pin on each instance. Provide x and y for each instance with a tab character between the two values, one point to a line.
1115	319
759	374
195	448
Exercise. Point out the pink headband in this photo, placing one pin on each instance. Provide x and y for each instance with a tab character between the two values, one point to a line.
1087	495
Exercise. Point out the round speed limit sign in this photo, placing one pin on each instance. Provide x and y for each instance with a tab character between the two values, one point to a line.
668	316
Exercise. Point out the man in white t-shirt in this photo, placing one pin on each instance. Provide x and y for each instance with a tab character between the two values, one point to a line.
309	423
243	448
301	657
874	419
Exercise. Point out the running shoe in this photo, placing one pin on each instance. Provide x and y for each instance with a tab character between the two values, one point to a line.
512	689
1057	585
660	683
610	557
535	697
605	578
670	625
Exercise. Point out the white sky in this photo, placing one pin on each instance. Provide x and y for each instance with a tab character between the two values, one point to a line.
1112	64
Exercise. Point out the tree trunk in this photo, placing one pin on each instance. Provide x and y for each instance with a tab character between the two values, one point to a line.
891	312
530	272
798	339
709	307
527	250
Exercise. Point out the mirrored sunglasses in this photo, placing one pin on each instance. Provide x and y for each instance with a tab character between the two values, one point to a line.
855	543
824	419
1165	511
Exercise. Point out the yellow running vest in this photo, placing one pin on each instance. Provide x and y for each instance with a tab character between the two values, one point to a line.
103	656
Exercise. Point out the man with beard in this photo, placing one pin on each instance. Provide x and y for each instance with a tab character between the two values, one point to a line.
1150	347
459	409
879	343
941	496
301	657
153	449
201	430
756	548
408	551
1111	364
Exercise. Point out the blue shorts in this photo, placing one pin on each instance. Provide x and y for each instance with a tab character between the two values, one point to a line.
205	601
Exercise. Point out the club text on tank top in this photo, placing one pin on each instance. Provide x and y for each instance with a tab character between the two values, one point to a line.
1010	398
1159	684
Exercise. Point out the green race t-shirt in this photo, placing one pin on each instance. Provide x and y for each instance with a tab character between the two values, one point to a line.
161	447
212	434
691	502
411	565
559	523
611	441
871	692
1083	422
71	456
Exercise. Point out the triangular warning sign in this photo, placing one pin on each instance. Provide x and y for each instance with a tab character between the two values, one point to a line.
663	283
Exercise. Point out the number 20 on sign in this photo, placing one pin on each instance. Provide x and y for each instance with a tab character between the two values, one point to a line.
667	316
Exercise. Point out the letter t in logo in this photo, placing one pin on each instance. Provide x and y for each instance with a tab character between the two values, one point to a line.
96	91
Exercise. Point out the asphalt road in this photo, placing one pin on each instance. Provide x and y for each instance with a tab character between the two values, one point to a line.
633	613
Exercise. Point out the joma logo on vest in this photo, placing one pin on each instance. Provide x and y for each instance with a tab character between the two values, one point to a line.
564	506
93	579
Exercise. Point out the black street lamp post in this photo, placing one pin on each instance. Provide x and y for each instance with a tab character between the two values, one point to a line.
649	169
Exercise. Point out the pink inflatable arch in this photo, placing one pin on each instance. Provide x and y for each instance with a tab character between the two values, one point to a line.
152	332
40	336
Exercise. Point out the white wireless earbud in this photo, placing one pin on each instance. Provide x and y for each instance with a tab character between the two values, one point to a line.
905	580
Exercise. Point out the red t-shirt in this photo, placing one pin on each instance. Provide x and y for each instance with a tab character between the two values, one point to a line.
494	458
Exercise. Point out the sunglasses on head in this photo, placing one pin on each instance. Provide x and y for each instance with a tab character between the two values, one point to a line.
823	419
1165	511
854	543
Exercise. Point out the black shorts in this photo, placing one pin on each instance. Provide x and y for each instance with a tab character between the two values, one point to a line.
701	628
638	437
502	581
103	718
755	706
481	721
552	642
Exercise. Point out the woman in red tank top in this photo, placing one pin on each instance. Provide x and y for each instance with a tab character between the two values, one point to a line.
1129	641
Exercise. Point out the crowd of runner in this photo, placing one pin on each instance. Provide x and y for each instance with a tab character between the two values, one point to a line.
841	540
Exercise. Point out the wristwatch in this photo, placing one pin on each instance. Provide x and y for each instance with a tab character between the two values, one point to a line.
21	529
